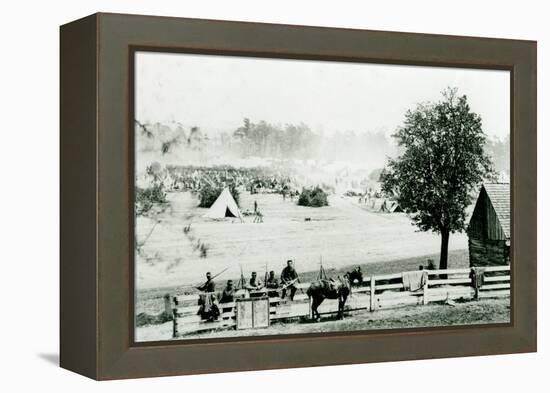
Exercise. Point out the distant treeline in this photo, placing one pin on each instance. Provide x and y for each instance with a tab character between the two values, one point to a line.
288	141
263	139
266	140
499	151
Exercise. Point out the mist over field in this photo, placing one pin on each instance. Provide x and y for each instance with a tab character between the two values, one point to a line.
289	146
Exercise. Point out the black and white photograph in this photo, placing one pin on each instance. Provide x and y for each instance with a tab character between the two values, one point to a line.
282	196
276	196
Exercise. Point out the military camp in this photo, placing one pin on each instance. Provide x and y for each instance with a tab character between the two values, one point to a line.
289	210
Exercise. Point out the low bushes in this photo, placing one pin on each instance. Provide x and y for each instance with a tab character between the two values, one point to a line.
313	197
146	198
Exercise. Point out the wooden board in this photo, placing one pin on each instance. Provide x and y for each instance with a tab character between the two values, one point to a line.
187	328
260	309
492	287
450	281
252	313
496	278
494	294
243	312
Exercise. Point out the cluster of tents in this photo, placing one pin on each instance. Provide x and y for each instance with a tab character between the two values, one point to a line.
225	206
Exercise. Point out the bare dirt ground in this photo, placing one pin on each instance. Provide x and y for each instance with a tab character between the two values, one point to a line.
469	313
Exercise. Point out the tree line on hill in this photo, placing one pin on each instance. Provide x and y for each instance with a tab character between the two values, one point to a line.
266	140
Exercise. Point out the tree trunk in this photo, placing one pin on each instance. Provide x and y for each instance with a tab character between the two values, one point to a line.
443	256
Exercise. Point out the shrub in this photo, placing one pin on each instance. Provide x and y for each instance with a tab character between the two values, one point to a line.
146	198
314	197
208	195
351	193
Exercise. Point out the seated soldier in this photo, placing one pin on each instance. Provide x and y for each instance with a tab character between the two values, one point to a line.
227	296
228	293
254	285
289	277
272	284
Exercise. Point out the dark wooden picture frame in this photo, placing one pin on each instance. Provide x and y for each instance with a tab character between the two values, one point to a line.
97	314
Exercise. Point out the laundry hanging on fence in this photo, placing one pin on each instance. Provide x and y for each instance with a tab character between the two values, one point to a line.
413	281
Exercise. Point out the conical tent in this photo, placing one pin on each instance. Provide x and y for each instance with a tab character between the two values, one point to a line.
395	208
224	206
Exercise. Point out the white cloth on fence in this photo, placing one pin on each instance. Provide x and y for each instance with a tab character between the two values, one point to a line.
413	281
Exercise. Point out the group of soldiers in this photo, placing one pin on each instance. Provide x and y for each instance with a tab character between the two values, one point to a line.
254	286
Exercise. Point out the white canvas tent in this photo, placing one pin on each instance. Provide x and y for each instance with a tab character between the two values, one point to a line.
395	208
224	206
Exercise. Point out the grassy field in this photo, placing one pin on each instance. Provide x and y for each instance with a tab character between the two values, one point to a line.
432	315
342	234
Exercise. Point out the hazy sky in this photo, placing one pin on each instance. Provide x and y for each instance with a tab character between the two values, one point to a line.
217	92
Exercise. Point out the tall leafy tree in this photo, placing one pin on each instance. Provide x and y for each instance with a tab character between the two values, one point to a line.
442	162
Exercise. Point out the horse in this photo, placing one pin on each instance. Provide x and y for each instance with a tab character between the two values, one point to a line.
329	289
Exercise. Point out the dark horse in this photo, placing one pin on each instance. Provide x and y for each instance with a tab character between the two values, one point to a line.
329	289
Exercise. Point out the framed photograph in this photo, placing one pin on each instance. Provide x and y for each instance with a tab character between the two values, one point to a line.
242	196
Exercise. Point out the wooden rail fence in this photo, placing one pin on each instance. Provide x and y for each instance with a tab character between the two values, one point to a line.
376	293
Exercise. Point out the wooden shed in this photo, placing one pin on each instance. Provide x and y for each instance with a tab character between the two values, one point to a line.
489	227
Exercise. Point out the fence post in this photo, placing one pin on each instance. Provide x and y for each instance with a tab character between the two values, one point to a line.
476	281
372	292
476	289
167	305
174	325
425	290
174	313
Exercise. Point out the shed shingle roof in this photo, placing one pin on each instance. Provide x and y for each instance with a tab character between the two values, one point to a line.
499	194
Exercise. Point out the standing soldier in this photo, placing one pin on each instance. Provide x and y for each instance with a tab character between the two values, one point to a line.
209	285
289	277
207	301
